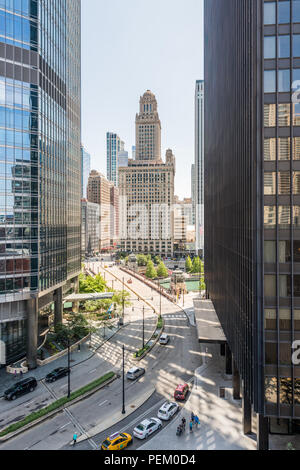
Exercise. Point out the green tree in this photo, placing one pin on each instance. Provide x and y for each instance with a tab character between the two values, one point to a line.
162	271
142	260
89	284
196	265
188	264
157	260
151	271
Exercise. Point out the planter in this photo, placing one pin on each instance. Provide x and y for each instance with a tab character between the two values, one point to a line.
62	353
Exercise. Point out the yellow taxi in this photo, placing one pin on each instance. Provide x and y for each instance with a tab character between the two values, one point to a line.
117	441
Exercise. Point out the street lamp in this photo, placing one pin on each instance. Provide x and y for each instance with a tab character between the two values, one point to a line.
143	327
69	368
123	383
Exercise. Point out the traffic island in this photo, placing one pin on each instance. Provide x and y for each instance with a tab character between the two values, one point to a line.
139	355
42	415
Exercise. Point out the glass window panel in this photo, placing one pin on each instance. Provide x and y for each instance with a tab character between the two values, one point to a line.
270	216
269	47
296	182
270	13
284	182
270	252
296	216
284	115
284	77
270	115
284	46
271	390
296	148
284	151
296	45
284	217
270	184
270	285
296	114
270	81
296	11
270	149
283	12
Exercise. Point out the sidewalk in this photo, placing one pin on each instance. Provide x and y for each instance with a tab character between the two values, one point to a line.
77	357
221	419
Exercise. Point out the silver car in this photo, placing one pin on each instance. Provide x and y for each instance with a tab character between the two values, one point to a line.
164	339
135	373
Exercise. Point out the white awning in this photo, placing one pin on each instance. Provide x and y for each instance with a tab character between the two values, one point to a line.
85	297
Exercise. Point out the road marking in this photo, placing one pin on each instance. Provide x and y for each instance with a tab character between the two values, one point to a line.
103	403
92	371
65	425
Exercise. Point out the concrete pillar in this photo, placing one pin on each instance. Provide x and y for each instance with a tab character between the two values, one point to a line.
58	306
247	413
262	433
228	358
236	382
32	332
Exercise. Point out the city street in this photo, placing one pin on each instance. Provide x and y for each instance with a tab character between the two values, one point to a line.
166	367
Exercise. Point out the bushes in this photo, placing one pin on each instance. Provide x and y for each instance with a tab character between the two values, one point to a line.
56	405
142	351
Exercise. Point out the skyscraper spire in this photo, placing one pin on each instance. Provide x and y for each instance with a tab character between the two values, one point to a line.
148	129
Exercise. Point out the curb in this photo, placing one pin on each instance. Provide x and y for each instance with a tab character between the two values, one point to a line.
138	359
55	412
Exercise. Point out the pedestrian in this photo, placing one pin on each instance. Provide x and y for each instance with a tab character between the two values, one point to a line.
192	417
15	373
74	438
197	421
21	373
191	426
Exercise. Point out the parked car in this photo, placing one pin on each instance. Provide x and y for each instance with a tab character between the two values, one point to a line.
57	374
167	411
147	427
181	392
117	441
135	373
21	388
164	339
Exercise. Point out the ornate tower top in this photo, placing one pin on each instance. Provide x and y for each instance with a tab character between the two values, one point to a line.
148	129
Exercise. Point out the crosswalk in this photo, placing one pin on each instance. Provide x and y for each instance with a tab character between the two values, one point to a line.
175	317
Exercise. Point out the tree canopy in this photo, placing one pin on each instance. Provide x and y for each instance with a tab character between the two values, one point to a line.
162	271
151	271
89	284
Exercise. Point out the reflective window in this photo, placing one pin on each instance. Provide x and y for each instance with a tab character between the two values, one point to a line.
296	45
284	115
269	115
269	13
296	148
296	11
270	184
283	12
269	47
270	81
270	216
284	46
284	80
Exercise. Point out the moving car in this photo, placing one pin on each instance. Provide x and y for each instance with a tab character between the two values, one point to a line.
164	339
117	441
167	411
57	374
135	373
147	427
181	392
21	388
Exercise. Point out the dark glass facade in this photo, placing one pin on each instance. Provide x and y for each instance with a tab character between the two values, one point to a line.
252	160
40	163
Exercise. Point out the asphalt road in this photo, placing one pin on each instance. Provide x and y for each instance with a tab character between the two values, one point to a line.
166	367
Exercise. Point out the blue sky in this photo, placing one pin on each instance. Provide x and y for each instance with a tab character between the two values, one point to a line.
129	46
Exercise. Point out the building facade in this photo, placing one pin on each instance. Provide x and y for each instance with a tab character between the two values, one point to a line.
193	192
85	171
40	176
114	146
114	217
148	130
99	192
199	165
90	228
252	155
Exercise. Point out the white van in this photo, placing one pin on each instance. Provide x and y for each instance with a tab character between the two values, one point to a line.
164	339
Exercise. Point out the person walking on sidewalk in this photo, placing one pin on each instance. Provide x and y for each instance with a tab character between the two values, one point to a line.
191	426
197	421
74	439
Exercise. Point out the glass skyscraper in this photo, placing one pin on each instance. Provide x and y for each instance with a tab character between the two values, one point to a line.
114	146
85	171
40	167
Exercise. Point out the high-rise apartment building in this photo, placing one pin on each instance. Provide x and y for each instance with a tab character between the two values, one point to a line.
193	192
114	216
147	188
40	176
85	171
252	170
199	165
100	192
114	146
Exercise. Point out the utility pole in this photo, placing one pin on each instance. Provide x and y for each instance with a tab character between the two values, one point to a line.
123	394
69	369
143	327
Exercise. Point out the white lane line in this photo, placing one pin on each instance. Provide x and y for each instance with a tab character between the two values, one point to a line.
65	425
92	371
103	403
